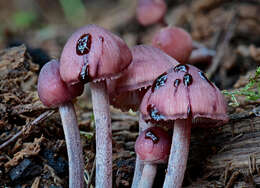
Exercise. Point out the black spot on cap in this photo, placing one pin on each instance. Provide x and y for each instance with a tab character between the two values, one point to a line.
154	113
187	80
160	81
181	68
84	44
150	135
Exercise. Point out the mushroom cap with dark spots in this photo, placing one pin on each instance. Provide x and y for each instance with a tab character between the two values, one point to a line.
93	53
52	90
153	145
191	96
149	12
148	62
175	41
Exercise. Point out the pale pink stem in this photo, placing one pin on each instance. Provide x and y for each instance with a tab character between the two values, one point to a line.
148	175
74	149
179	154
138	169
139	164
100	101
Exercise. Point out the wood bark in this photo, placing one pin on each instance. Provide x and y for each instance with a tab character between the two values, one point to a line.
227	156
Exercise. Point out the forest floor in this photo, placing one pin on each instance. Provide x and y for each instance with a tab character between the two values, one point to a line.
32	145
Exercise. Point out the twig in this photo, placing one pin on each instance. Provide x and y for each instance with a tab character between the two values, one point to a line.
226	173
196	45
36	121
222	48
91	174
232	179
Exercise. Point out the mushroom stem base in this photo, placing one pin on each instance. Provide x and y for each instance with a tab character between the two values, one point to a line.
100	101
72	138
148	175
139	164
178	155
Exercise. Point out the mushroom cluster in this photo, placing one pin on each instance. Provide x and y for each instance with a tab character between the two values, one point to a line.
181	98
142	78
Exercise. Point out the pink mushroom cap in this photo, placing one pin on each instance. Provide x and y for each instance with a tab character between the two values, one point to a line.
149	12
153	145
175	41
184	92
91	54
148	62
52	90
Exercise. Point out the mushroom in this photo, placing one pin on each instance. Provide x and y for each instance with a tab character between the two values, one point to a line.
147	64
185	95
127	91
54	92
152	147
93	54
174	41
149	12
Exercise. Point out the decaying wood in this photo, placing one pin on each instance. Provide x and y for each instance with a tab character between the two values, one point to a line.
228	155
39	119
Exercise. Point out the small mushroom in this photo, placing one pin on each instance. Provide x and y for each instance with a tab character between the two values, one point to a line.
147	64
127	91
152	147
188	97
174	41
93	54
149	12
53	92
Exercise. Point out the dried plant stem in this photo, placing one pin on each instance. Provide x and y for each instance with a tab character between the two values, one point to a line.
38	120
222	48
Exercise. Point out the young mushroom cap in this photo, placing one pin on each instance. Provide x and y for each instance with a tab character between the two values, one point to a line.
184	92
52	90
92	54
175	41
148	62
153	145
149	12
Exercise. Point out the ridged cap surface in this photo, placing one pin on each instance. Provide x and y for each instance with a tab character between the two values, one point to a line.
93	53
148	63
184	92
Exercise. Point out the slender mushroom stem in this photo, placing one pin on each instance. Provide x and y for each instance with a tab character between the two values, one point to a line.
72	137
148	175
100	100
179	154
139	165
138	169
